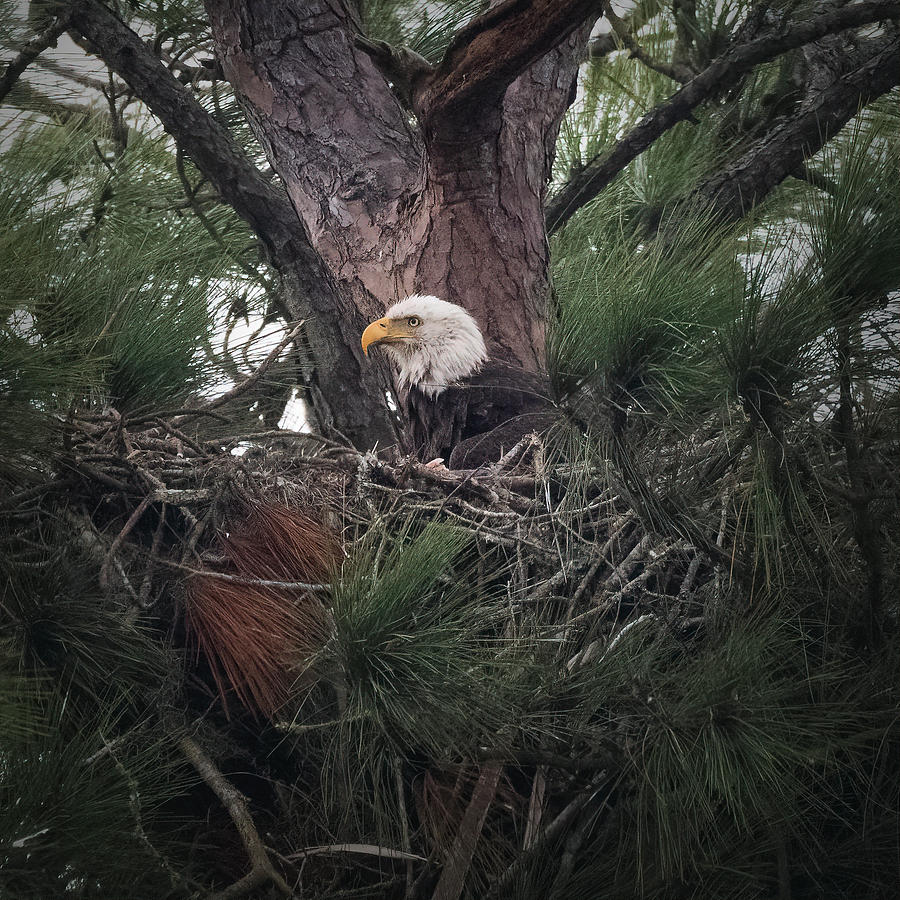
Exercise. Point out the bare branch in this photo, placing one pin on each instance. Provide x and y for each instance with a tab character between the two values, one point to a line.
488	54
725	71
30	52
120	537
209	145
634	20
733	190
264	366
262	869
305	586
676	71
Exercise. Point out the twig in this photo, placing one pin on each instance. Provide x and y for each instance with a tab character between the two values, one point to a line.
30	493
117	542
583	587
676	71
573	844
178	433
248	382
510	458
190	194
147	583
134	802
174	414
553	830
261	869
365	849
619	576
687	584
241	579
103	477
720	74
557	581
30	52
634	20
720	540
450	884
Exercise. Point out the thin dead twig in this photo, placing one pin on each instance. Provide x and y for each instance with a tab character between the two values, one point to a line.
677	72
242	579
30	52
553	830
120	537
251	379
146	584
235	804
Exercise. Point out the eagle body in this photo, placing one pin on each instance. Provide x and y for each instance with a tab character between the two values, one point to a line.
460	404
473	423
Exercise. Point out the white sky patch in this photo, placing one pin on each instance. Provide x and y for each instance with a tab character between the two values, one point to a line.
296	415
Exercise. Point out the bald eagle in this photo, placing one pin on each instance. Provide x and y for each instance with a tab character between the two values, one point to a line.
460	404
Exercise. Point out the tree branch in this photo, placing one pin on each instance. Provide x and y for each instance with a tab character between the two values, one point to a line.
676	71
488	54
352	402
209	145
733	190
30	52
633	21
262	869
725	71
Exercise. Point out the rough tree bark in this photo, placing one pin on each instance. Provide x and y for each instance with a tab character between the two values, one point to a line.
351	402
404	177
445	197
880	68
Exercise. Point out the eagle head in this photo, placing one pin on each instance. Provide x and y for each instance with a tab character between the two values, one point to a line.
434	343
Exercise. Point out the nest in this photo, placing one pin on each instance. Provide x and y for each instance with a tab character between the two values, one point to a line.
246	531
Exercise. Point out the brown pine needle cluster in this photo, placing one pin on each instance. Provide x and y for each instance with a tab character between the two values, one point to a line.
255	634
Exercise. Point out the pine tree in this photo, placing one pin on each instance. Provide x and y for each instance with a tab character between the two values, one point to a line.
651	652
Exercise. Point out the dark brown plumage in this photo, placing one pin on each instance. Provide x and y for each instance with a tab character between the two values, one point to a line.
473	423
461	405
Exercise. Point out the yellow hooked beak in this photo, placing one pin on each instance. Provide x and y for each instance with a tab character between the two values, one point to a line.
386	331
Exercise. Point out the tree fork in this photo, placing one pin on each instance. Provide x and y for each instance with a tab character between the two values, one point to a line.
450	204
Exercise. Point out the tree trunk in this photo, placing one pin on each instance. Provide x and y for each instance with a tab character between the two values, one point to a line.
445	197
345	394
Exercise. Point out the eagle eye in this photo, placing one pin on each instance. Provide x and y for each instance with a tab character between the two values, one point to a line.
413	322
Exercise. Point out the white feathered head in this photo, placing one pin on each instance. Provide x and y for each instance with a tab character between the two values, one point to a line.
434	343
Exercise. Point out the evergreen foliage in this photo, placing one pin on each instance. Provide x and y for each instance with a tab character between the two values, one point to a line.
654	657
